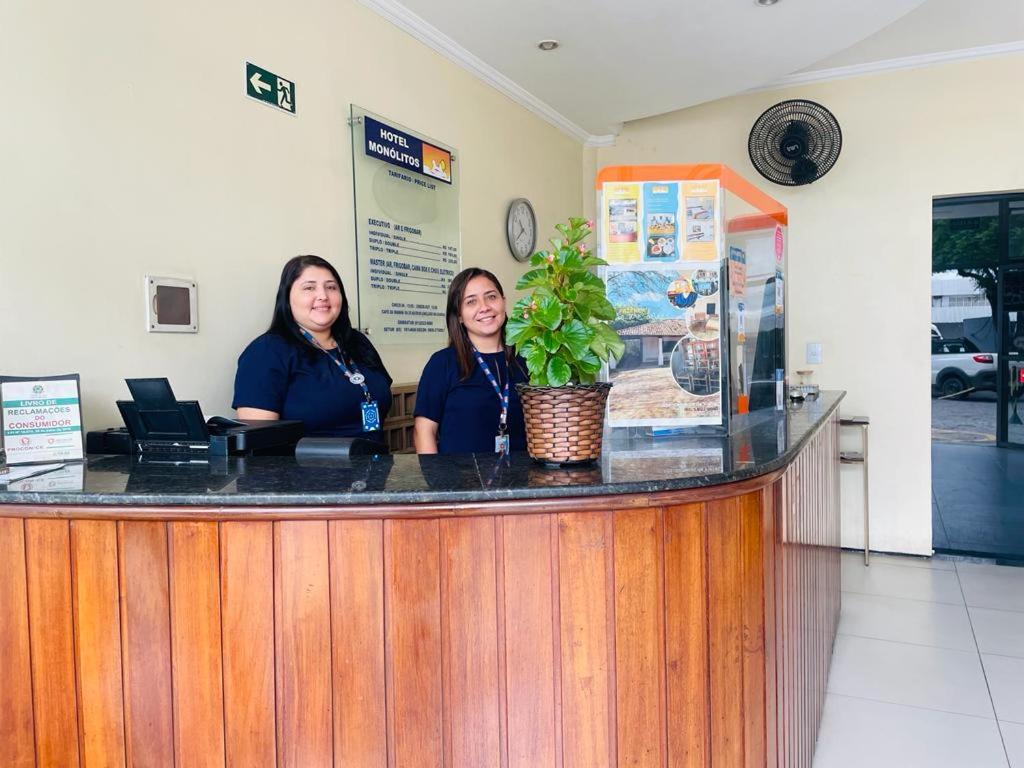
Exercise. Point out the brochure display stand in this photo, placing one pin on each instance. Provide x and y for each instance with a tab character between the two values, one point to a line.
697	274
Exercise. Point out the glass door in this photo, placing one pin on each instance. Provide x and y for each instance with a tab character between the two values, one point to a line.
1010	428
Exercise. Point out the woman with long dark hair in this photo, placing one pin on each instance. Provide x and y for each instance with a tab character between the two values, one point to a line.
466	401
311	365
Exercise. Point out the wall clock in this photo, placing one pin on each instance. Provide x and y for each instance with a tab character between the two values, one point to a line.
521	229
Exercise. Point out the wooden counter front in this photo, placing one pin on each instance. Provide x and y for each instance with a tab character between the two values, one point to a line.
694	632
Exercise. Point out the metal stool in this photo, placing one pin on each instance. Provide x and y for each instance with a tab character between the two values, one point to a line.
854	457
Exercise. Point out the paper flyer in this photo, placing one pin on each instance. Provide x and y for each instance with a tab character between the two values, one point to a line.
701	202
737	271
621	223
42	419
56	477
670	373
779	292
661	215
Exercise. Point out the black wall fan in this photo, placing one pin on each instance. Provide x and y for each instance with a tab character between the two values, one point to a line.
795	142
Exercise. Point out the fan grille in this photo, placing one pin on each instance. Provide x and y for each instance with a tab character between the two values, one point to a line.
816	126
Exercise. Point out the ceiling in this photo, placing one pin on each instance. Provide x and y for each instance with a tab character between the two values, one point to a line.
935	27
618	62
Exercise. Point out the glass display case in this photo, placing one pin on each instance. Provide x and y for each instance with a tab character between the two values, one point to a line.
697	274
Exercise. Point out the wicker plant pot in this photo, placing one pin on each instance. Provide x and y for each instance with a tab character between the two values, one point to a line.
564	425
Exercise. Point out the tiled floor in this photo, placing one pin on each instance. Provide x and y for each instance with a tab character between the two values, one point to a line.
928	670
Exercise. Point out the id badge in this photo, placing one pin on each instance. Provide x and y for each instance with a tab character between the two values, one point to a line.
371	416
501	444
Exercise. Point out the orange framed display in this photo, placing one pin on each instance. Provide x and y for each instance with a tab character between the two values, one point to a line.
697	272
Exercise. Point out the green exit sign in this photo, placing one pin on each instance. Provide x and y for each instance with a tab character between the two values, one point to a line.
263	85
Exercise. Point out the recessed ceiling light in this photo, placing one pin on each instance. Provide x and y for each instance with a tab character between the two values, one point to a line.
765	3
547	45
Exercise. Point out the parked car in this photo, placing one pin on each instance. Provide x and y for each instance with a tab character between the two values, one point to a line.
958	365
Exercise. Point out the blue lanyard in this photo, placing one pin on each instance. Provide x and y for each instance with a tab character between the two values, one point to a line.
501	392
352	375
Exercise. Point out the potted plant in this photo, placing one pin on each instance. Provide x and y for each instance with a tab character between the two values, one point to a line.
562	329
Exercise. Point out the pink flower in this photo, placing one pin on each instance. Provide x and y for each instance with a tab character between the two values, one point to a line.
590	223
551	258
582	247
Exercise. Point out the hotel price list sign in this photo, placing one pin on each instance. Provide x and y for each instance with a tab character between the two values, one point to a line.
407	230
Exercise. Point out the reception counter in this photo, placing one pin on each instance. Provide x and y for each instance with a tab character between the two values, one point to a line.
674	605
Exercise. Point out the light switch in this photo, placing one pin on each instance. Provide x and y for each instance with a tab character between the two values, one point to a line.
814	352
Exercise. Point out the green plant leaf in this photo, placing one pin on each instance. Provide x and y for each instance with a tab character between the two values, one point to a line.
576	337
515	328
539	258
536	358
549	341
572	260
587	368
548	312
588	280
594	261
589	363
609	341
520	310
533	278
558	372
602	309
519	331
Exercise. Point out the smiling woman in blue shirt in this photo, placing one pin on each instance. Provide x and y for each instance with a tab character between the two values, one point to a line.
312	365
466	401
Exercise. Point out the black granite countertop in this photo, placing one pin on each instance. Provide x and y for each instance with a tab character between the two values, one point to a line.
761	443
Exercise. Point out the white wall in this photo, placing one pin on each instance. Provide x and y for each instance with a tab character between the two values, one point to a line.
129	148
860	244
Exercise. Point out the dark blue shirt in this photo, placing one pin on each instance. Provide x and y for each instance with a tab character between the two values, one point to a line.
278	376
468	411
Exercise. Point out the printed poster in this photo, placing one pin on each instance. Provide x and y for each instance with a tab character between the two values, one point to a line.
737	271
779	292
670	373
661	216
42	419
621	223
701	203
